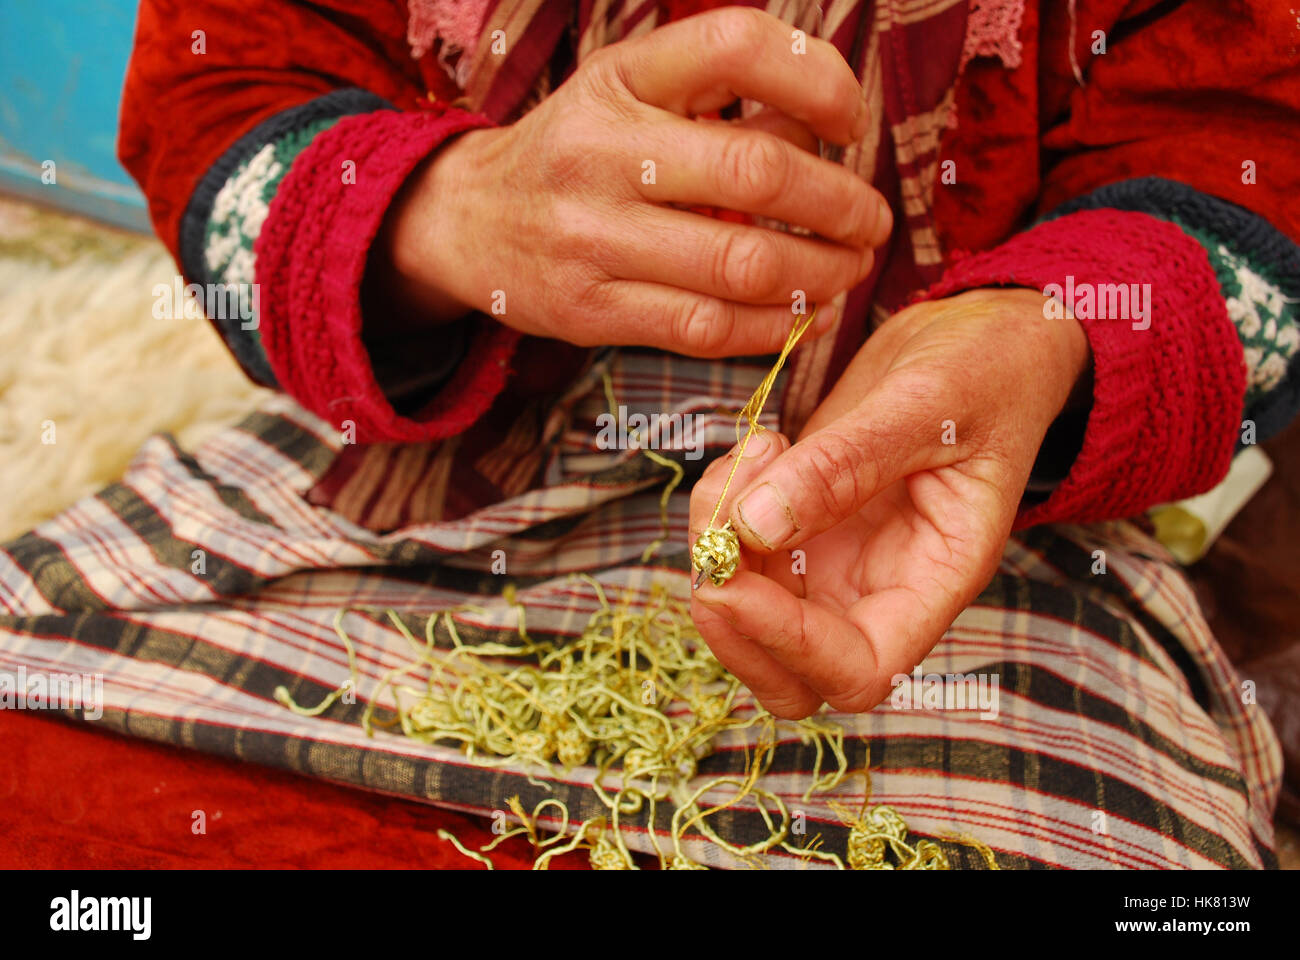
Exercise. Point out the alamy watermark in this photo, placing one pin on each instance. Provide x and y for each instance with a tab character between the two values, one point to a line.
946	691
656	431
75	913
26	690
216	301
1099	301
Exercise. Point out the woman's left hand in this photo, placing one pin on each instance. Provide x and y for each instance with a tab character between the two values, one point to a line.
863	541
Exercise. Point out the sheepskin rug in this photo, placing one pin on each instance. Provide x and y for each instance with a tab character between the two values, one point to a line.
86	371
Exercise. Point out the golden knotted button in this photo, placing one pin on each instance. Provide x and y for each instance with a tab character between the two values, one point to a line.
716	554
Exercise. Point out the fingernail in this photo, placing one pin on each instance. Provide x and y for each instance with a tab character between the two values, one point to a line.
861	121
767	516
760	444
884	220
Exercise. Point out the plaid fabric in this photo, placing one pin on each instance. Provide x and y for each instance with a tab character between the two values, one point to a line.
1122	739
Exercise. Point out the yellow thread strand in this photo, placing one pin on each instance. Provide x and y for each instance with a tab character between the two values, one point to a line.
283	696
716	552
451	838
579	839
679	474
754	408
982	849
585	700
638	699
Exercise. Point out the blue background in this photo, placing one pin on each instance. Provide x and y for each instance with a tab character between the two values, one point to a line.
61	70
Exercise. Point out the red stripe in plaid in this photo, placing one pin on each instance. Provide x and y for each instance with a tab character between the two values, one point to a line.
1094	717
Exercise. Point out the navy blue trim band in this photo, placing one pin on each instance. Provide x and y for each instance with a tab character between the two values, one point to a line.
193	230
1244	232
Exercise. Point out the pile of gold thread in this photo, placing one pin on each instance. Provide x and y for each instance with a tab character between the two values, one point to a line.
639	696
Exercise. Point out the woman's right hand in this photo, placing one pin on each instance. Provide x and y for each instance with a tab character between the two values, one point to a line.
571	219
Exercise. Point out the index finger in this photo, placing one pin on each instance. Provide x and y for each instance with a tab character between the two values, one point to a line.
821	649
705	62
763	448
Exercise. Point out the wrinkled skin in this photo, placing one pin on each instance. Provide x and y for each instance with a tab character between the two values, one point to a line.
899	529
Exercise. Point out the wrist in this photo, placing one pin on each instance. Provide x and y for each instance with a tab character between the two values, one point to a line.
1059	370
1054	347
423	253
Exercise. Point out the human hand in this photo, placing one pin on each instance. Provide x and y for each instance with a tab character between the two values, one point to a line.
556	212
899	528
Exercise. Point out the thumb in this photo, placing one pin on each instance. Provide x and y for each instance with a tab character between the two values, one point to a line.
832	473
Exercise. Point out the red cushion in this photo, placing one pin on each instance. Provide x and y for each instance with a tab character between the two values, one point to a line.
72	796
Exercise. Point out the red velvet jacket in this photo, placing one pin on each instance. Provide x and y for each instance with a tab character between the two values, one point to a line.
1194	92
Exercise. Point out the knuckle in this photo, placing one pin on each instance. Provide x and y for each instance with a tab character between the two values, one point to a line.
747	265
736	31
789	642
831	467
705	326
600	59
862	219
789	706
755	168
603	79
601	74
859	697
571	236
930	395
592	304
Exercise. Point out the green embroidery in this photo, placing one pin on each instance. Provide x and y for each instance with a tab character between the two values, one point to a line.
242	204
1265	318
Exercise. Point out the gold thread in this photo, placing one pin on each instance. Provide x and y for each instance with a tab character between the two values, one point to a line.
582	701
716	552
451	838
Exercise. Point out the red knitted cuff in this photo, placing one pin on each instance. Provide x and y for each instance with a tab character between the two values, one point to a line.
1167	399
311	258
